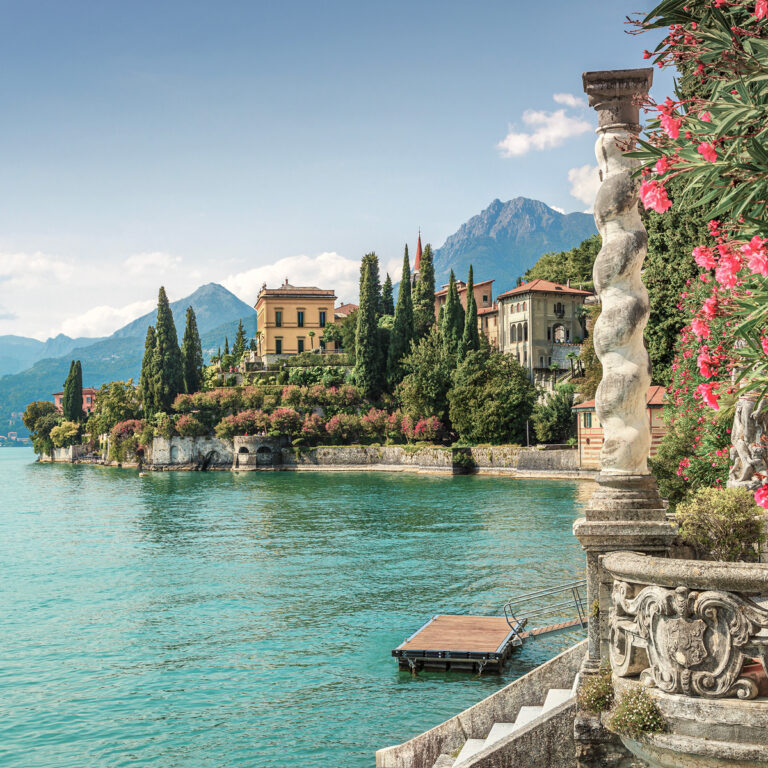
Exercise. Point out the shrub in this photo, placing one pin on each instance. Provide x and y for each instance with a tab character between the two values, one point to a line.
184	403
553	420
724	524
394	430
164	426
188	426
124	438
292	395
285	421
243	423
253	397
596	692
374	424
406	427
343	428
635	714
430	429
65	434
313	428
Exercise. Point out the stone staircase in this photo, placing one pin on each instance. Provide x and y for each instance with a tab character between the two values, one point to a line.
499	731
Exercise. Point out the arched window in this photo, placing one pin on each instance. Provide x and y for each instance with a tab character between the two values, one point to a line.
525	331
524	306
558	333
513	332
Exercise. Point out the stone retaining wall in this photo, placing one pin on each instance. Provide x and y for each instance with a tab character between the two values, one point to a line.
69	454
191	453
370	456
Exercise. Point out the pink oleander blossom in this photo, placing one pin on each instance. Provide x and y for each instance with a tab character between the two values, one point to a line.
707	151
704	362
710	307
700	328
654	196
670	124
728	267
757	255
761	11
708	394
764	344
705	117
704	257
662	165
761	494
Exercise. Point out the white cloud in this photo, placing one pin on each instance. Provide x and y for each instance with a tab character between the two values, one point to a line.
569	100
585	181
104	320
550	129
557	208
24	270
156	261
327	270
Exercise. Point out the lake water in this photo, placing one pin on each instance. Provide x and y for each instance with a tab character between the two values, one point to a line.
214	619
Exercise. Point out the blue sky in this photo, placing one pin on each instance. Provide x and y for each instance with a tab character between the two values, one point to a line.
182	142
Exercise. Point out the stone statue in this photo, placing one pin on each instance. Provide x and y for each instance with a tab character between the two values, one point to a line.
749	438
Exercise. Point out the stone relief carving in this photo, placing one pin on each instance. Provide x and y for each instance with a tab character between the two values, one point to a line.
687	642
749	436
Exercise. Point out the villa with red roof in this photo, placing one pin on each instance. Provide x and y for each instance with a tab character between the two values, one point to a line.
590	431
541	324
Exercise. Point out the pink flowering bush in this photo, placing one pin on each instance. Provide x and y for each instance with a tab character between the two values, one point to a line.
407	424
429	429
374	424
393	429
313	428
124	439
285	421
189	426
244	423
343	428
292	395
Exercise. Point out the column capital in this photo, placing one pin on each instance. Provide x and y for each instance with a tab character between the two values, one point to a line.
616	95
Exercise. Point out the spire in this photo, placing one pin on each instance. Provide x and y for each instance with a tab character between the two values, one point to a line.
417	263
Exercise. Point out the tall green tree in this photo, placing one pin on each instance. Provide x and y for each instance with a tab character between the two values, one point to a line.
372	260
239	346
470	339
402	330
72	400
424	390
168	375
192	354
226	345
491	398
147	376
452	320
387	300
369	365
424	295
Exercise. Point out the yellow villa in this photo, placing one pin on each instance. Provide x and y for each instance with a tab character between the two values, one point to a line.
290	319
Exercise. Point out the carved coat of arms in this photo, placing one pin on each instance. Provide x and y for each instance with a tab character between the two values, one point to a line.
685	641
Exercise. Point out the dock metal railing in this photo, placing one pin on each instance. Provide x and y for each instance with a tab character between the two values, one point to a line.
563	600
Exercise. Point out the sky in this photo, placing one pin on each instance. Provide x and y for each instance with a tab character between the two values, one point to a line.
182	142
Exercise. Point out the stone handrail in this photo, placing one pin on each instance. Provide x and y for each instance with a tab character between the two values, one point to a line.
687	626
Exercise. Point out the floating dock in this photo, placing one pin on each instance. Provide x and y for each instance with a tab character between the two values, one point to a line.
477	643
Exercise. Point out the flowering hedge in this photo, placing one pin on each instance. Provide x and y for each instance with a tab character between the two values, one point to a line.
188	426
711	137
244	423
124	439
285	421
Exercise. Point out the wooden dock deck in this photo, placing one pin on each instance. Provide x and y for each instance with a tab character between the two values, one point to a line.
475	643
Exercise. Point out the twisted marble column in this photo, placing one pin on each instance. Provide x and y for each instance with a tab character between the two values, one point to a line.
625	511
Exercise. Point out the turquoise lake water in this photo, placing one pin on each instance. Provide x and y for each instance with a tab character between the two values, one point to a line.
213	619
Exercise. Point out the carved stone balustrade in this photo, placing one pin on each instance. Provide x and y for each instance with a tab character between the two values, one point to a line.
685	629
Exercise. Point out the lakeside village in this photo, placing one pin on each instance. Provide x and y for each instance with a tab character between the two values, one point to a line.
447	367
674	669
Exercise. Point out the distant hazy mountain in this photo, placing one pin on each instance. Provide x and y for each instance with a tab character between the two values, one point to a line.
118	357
17	353
506	239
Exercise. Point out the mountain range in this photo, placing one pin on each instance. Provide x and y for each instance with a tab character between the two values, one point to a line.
501	242
506	239
118	357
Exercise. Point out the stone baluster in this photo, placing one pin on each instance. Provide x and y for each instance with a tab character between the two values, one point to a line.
625	511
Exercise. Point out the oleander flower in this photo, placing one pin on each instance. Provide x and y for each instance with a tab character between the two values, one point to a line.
704	257
756	253
707	151
654	196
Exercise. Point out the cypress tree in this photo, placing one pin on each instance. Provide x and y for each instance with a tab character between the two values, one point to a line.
192	355
470	339
146	378
402	330
452	321
68	408
387	301
368	358
424	295
239	346
373	260
168	375
78	397
226	345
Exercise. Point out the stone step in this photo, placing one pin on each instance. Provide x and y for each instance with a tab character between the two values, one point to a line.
526	714
556	697
470	749
499	731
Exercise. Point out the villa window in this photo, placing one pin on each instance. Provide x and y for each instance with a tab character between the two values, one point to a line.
525	331
485	299
278	346
300	318
524	306
301	344
278	318
322	318
541	361
587	420
549	334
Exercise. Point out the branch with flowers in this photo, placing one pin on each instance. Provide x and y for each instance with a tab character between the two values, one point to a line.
711	137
